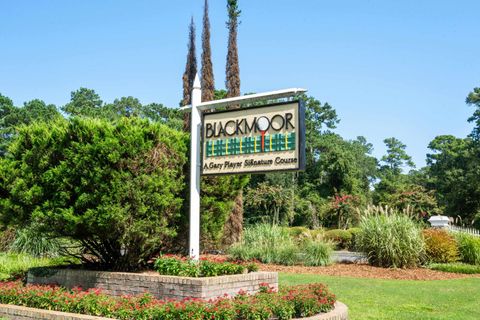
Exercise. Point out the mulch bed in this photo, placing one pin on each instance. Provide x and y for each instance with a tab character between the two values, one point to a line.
367	271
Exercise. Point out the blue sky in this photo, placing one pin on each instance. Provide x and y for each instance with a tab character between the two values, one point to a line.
389	68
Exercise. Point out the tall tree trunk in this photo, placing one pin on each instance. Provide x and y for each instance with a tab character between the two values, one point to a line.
234	224
189	75
208	82
188	79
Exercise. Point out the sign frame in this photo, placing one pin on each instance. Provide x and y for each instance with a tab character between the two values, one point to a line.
301	139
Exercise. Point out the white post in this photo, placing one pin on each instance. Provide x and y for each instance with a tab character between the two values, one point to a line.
195	163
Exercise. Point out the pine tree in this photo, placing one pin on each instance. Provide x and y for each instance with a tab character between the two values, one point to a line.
234	224
189	74
208	82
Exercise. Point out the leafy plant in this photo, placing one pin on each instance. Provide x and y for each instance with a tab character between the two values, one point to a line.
316	253
175	266
353	242
469	247
290	301
440	246
116	188
341	238
392	240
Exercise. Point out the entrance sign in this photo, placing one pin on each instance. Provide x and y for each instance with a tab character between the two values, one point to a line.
265	127
254	140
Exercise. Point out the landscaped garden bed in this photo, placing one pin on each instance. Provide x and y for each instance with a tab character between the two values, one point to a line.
286	303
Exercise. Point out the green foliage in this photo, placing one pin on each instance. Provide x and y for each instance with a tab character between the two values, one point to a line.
204	268
217	198
12	117
392	240
340	237
390	171
114	187
453	168
455	268
85	102
421	201
270	203
291	301
273	244
353	242
267	243
317	253
469	247
473	99
343	211
340	167
396	157
14	266
440	246
7	236
34	243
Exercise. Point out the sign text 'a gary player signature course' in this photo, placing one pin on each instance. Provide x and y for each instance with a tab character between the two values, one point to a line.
258	139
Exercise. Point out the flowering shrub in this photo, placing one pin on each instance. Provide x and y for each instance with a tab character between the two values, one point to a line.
440	246
176	266
289	302
343	210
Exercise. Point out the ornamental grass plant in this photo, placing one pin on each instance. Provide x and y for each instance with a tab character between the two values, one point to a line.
391	240
469	247
273	244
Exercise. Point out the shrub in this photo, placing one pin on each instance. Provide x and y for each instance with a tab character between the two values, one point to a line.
391	240
469	247
273	244
113	187
354	232
440	246
341	238
297	301
455	268
174	266
296	232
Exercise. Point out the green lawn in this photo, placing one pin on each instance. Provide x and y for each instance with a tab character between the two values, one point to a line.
401	299
15	265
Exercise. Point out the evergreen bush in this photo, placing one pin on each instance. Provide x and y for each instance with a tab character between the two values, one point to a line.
113	187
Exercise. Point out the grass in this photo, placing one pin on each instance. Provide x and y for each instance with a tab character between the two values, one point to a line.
455	267
273	244
16	265
401	299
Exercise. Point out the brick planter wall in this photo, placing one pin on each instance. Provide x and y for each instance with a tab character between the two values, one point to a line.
172	287
23	313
